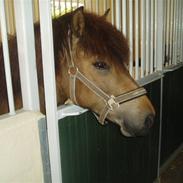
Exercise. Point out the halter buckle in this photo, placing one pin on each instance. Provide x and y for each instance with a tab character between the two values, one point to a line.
112	103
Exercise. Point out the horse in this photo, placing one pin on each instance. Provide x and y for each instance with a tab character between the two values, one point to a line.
91	58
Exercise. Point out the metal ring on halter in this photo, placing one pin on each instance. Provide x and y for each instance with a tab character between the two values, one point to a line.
112	103
72	70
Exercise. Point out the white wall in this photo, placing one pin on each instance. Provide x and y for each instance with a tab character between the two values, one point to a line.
20	153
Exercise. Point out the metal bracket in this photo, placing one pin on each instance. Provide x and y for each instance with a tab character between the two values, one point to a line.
112	103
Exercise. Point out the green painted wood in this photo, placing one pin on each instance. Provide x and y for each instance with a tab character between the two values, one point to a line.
172	126
92	153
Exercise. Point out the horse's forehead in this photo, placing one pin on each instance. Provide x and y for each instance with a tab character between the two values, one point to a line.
90	57
116	50
103	40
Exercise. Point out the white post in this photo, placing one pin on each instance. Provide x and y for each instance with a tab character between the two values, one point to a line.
105	5
71	5
152	38
159	35
118	14
181	32
164	32
26	53
85	3
60	8
171	32
50	89
131	36
91	5
175	34
53	7
167	31
136	40
143	36
112	12
124	16
9	9
97	6
147	60
65	6
6	57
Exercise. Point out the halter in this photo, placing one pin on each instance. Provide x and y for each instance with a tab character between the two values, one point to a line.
111	102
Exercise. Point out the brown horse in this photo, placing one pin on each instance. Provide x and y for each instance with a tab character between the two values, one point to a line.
98	51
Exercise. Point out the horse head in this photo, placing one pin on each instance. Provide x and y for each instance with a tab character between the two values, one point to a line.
95	50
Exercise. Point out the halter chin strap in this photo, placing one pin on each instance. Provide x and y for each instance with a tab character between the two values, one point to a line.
111	102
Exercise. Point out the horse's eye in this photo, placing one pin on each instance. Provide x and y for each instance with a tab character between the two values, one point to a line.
101	65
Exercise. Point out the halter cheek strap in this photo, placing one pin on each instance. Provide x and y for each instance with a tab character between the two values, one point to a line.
111	102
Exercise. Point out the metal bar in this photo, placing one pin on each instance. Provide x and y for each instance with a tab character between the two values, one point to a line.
159	35
131	35
179	31
164	32
59	6
150	78
97	6
147	60
85	3
112	12
88	4
182	33
50	89
91	5
175	33
26	54
105	5
167	32
155	35
65	6
53	8
118	14
6	58
152	38
9	9
124	17
71	5
36	10
160	129
172	67
171	31
143	35
136	40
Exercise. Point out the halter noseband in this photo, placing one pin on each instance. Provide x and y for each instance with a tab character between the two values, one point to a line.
111	102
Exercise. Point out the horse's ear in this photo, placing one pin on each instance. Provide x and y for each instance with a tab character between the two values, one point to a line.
106	13
78	22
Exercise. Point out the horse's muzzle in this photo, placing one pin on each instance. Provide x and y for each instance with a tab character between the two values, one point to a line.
133	131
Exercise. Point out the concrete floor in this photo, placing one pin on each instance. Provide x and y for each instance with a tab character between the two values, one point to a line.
174	172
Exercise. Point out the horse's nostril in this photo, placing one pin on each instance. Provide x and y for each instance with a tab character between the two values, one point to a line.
149	121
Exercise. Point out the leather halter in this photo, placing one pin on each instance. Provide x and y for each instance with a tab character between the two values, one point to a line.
111	102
